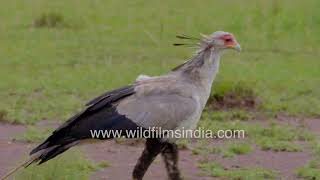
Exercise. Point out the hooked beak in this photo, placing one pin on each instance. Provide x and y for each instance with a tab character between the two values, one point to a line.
236	46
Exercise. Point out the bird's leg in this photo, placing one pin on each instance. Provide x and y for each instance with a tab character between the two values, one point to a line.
170	157
152	149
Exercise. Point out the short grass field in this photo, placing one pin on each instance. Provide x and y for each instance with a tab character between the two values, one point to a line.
57	55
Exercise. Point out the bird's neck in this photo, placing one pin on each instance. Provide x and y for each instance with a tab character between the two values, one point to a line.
203	67
201	70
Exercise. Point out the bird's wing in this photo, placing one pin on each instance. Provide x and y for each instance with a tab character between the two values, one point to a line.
102	101
111	96
159	110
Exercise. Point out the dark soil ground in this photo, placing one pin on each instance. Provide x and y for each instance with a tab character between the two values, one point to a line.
122	157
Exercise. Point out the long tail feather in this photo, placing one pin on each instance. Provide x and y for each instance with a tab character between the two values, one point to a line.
42	156
22	165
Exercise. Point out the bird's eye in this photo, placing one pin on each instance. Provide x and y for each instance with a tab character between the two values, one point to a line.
228	40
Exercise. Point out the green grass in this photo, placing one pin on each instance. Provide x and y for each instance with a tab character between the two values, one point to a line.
183	143
203	148
316	147
227	149
34	134
235	114
310	171
234	95
269	136
71	165
49	20
237	148
50	72
270	144
217	170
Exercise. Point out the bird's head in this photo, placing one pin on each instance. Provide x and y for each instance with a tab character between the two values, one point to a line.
220	40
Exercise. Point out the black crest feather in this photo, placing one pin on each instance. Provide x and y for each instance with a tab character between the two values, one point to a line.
186	37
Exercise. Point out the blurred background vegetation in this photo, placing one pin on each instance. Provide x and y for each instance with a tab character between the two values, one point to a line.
56	55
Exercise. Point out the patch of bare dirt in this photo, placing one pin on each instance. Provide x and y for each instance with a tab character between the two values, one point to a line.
239	96
11	152
122	159
9	131
3	115
49	20
48	124
312	124
283	163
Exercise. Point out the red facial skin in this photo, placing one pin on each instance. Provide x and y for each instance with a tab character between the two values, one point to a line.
228	40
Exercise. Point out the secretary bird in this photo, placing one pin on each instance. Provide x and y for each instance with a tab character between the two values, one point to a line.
173	101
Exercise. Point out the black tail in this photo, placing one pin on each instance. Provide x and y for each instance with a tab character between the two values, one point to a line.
47	153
